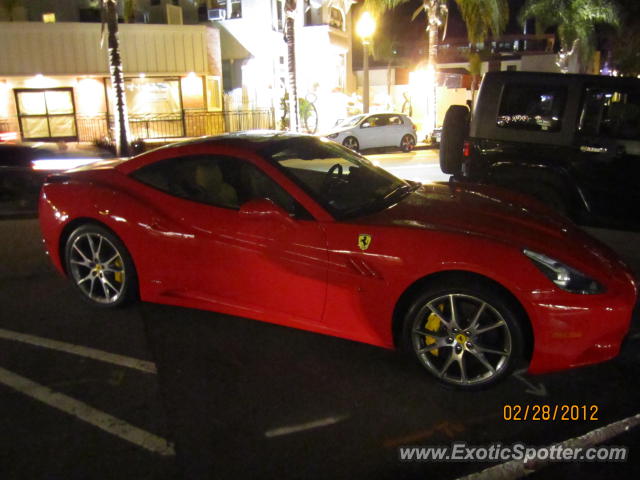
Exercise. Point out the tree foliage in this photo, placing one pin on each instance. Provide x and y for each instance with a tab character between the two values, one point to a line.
484	18
575	20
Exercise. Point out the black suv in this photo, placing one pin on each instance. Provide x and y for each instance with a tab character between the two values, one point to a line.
572	141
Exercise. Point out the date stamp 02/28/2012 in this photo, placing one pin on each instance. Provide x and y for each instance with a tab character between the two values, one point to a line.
550	413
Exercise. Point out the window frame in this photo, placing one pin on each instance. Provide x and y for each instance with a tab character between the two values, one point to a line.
299	211
509	87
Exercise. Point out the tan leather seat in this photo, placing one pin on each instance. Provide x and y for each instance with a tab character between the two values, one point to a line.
212	187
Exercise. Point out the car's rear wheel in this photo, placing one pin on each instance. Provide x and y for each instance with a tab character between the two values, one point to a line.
455	128
100	266
407	143
351	143
464	333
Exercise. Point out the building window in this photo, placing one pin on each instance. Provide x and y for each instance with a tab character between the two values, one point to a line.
532	107
214	94
46	114
278	15
336	18
154	106
232	7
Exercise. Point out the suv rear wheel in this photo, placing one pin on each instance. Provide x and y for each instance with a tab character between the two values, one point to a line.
455	129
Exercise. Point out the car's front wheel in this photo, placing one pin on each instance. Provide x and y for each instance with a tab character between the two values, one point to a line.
100	266
464	333
407	143
351	143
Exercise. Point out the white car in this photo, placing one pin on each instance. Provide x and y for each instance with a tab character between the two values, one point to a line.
372	130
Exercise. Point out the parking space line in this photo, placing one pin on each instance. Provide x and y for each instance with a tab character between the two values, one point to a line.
323	422
515	469
78	409
95	354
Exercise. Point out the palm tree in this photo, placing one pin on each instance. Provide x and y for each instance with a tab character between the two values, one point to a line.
483	18
436	12
576	22
110	12
290	8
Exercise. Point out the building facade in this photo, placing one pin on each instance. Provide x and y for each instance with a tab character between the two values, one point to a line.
254	55
55	83
183	60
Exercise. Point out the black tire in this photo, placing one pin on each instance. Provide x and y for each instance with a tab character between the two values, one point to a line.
407	143
464	356
351	143
100	267
455	129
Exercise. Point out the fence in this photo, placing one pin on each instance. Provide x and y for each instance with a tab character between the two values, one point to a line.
190	123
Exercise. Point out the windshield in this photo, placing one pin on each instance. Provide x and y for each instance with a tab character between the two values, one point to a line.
342	181
350	122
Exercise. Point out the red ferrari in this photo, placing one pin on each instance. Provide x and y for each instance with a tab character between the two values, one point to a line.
300	231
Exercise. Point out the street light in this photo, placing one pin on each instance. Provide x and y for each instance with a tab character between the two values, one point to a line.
365	28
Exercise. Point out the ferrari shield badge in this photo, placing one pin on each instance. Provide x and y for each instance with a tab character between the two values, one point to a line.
364	240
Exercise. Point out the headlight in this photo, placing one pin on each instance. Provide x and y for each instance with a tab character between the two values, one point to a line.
565	277
333	135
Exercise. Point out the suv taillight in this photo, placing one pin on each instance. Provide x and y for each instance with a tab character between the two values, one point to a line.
466	149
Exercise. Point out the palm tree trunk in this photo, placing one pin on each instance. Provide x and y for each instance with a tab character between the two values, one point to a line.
117	80
290	7
432	8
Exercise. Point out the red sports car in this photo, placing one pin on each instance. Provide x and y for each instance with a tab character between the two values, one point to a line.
300	231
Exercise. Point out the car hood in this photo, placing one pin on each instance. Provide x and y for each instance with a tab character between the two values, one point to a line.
498	215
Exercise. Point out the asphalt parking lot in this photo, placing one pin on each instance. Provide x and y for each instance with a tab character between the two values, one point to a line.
157	392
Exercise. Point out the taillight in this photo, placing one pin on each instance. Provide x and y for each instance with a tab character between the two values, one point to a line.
466	149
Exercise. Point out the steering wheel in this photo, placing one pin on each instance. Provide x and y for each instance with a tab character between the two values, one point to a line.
333	177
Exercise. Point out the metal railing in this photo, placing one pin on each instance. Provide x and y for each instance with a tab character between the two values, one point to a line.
189	123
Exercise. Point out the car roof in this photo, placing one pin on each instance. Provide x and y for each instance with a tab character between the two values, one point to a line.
252	140
566	77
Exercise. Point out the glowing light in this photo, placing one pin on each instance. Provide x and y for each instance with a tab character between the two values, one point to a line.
5	99
142	75
8	136
366	26
192	85
422	84
90	95
49	17
50	164
40	81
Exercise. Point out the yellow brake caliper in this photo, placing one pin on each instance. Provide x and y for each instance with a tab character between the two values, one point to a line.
118	275
432	325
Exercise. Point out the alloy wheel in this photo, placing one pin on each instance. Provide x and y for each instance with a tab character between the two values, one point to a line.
351	143
461	339
408	143
97	268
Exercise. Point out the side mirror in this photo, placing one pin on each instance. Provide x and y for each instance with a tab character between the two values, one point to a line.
264	209
365	125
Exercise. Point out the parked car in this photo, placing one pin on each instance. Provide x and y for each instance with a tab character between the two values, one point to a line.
303	232
572	141
23	169
435	137
375	130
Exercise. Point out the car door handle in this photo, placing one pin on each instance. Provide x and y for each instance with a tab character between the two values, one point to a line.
590	149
